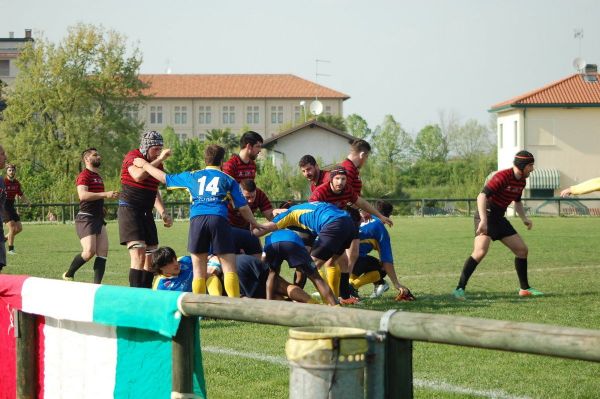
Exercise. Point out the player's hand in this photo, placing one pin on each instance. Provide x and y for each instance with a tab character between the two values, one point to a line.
404	295
528	223
388	221
112	194
139	162
481	228
164	154
566	192
167	219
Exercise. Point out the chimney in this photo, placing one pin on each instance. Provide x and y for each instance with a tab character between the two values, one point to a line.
27	33
11	35
590	73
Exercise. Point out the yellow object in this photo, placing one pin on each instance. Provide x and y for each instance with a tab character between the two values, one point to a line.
367	278
214	286
334	274
586	187
199	286
232	284
326	344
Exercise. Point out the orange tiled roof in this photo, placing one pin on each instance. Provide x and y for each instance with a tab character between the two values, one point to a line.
572	90
235	86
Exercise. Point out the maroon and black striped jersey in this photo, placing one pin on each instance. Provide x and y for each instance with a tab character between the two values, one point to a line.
13	188
352	175
502	189
324	193
323	177
240	170
95	184
261	201
134	193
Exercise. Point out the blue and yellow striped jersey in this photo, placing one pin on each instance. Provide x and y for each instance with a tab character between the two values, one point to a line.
284	235
310	216
181	282
374	236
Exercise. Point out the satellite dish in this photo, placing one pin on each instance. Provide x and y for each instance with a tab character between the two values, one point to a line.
316	107
579	63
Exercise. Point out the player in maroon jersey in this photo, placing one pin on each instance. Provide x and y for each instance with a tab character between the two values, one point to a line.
505	187
310	169
89	222
257	199
10	216
242	166
139	195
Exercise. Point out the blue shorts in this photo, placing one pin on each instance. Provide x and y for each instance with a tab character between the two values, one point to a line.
210	232
252	274
334	238
245	242
296	256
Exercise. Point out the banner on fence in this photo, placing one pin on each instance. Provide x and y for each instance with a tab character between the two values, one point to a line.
93	341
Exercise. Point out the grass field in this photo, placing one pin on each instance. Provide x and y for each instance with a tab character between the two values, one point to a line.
244	360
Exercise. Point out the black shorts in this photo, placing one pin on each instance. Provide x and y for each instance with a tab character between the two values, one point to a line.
88	225
356	218
334	238
210	233
10	213
252	274
245	242
297	257
498	226
137	225
366	264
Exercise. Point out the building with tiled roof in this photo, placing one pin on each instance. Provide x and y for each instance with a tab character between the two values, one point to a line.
10	48
193	104
560	124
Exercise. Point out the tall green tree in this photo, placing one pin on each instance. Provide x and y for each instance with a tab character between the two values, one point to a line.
471	139
335	121
224	138
73	95
358	126
392	144
430	144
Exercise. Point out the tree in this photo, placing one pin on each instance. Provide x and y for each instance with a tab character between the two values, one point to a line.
224	138
471	139
70	96
430	145
335	121
392	144
357	126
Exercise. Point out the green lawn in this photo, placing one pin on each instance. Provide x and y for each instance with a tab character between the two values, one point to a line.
244	360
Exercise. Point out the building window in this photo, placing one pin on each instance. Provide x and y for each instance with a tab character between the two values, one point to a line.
516	132
252	114
204	115
501	135
181	136
4	67
277	114
328	110
297	113
156	115
180	115
229	115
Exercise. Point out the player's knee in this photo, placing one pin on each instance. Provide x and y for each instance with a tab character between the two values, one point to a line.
521	251
87	255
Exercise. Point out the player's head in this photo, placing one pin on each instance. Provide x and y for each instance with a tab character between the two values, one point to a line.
213	155
11	170
524	161
90	156
252	143
337	179
361	150
151	144
308	167
248	190
384	207
164	261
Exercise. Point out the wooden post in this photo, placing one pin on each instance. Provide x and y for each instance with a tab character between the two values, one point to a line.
398	370
183	358
25	332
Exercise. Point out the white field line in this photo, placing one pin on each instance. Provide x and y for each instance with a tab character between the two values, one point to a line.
492	273
439	386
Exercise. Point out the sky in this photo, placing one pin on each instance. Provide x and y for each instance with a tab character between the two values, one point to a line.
410	59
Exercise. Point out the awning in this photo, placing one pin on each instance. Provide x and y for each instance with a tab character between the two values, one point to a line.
544	179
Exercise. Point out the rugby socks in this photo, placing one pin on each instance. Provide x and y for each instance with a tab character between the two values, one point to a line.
521	268
135	277
333	279
232	284
11	247
323	272
147	278
199	286
77	262
468	269
214	287
344	285
99	267
367	278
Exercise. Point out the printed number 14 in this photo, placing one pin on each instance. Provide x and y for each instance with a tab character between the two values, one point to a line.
212	186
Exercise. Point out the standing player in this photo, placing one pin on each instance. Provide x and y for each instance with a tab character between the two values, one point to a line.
2	201
310	169
89	222
242	166
139	195
504	187
11	217
209	189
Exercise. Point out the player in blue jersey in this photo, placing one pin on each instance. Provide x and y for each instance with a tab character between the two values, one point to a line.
287	245
333	226
374	236
210	189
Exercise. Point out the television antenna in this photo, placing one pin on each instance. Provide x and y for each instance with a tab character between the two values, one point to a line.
578	34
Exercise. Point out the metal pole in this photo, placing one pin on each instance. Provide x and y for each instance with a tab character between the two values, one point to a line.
398	370
375	366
